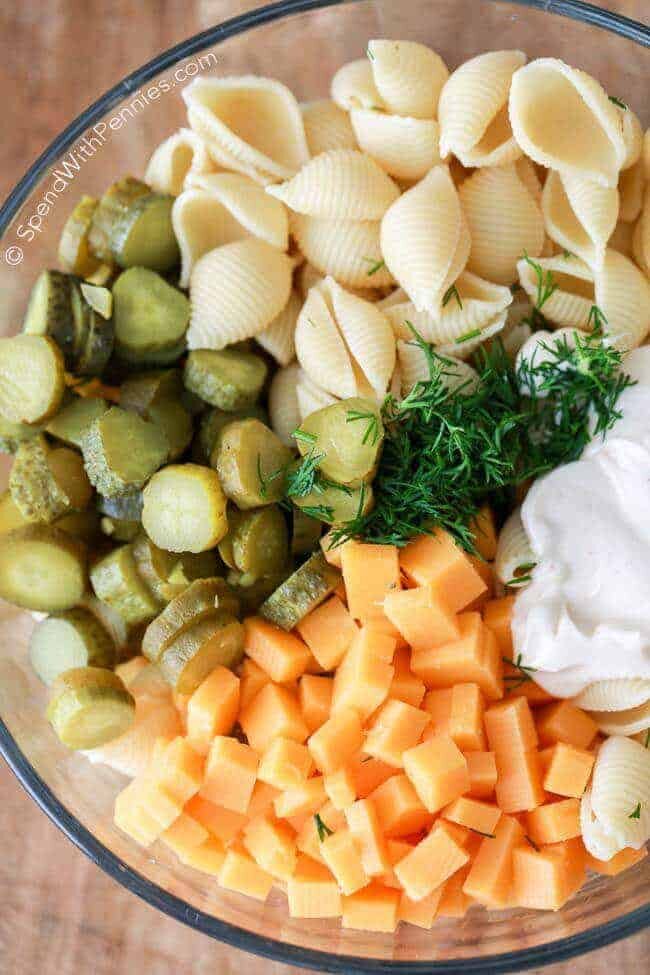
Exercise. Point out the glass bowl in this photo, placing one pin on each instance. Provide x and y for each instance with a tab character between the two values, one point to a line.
302	42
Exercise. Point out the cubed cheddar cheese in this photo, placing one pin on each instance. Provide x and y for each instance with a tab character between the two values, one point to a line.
221	823
482	768
274	712
438	705
239	872
315	698
282	655
252	679
212	709
272	844
422	616
420	913
620	861
304	799
184	834
337	741
370	572
563	721
497	615
405	685
554	822
475	814
512	736
208	857
566	769
312	891
438	771
364	676
430	863
230	774
340	787
285	763
374	908
466	717
485	533
489	880
262	799
474	657
363	823
341	853
395	728
368	773
328	631
437	559
400	811
545	879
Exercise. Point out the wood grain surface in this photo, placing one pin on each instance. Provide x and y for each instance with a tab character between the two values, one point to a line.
60	914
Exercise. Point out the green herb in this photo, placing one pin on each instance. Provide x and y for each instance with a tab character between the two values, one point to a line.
518	680
372	432
532	843
301	478
304	436
312	322
265	479
370	54
636	812
375	265
597	320
522	574
474	334
449	294
322	512
546	285
617	101
567	254
322	828
646	743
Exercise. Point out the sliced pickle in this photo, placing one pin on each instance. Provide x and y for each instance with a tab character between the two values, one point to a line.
216	641
199	601
303	591
75	638
89	707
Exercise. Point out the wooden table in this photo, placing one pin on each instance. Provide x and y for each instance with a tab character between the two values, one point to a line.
61	915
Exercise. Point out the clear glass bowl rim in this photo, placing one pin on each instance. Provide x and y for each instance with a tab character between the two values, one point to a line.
514	961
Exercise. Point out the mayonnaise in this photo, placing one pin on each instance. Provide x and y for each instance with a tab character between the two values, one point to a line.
586	614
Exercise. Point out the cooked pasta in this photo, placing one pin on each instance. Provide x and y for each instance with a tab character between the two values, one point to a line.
250	124
628	722
367	334
620	784
646	154
514	558
623	295
473	110
641	237
424	237
342	184
614	695
571	302
598	842
529	176
176	160
580	215
310	396
406	148
349	250
353	86
224	207
327	127
622	238
504	222
408	77
632	136
235	292
278	337
562	118
320	348
284	412
631	186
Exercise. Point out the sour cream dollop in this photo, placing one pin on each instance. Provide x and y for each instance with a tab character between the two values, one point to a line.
585	616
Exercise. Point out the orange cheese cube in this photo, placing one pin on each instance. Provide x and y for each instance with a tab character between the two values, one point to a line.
516	686
405	685
510	727
315	698
519	782
438	772
328	631
240	873
312	891
304	799
374	908
208	857
370	572
399	809
307	838
466	717
482	817
438	705
251	680
454	902
282	655
177	769
340	787
422	616
184	834
230	774
437	559
131	816
273	713
563	721
482	768
365	674
396	850
262	799
554	822
395	728
430	863
369	773
620	861
485	533
474	657
567	769
421	913
272	844
486	572
331	550
212	708
489	880
497	615
342	855
285	763
337	741
546	879
363	823
221	823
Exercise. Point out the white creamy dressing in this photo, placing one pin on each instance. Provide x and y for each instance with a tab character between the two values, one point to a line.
585	616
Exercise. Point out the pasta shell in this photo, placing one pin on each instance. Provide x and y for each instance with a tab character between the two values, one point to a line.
473	110
181	156
409	77
530	178
571	303
504	222
641	236
320	348
343	184
420	238
514	553
627	722
620	783
353	86
307	277
224	207
396	297
614	695
632	136
646	154
580	215
348	250
539	348
310	396
327	127
466	345
250	124
414	368
368	335
235	292
562	118
284	412
596	840
623	295
631	186
622	238
278	338
406	148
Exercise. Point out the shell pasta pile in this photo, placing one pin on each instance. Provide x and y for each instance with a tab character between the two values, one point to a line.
271	496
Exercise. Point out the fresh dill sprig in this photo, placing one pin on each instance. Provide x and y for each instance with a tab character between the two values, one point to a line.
304	436
322	828
374	265
372	432
369	54
322	512
473	334
646	743
597	320
567	254
450	293
522	574
301	478
518	680
636	812
546	284
619	102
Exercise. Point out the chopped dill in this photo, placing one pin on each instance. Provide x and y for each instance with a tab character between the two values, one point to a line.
516	681
546	285
646	743
372	432
452	293
567	254
322	512
474	334
369	54
301	478
619	102
374	265
636	812
322	828
522	574
597	319
304	436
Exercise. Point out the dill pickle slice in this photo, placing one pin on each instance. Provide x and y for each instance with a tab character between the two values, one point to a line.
303	591
336	504
213	422
10	514
155	565
348	447
32	378
83	525
184	508
119	530
132	226
150	315
13	434
72	421
176	424
74	250
189	567
67	640
199	601
98	297
249	459
42	568
50	311
102	276
213	642
260	542
229	379
251	592
116	581
306	532
89	707
93	356
156	396
123	507
121	451
46	483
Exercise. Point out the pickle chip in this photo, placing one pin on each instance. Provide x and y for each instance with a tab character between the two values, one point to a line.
69	640
89	707
202	599
213	642
303	591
